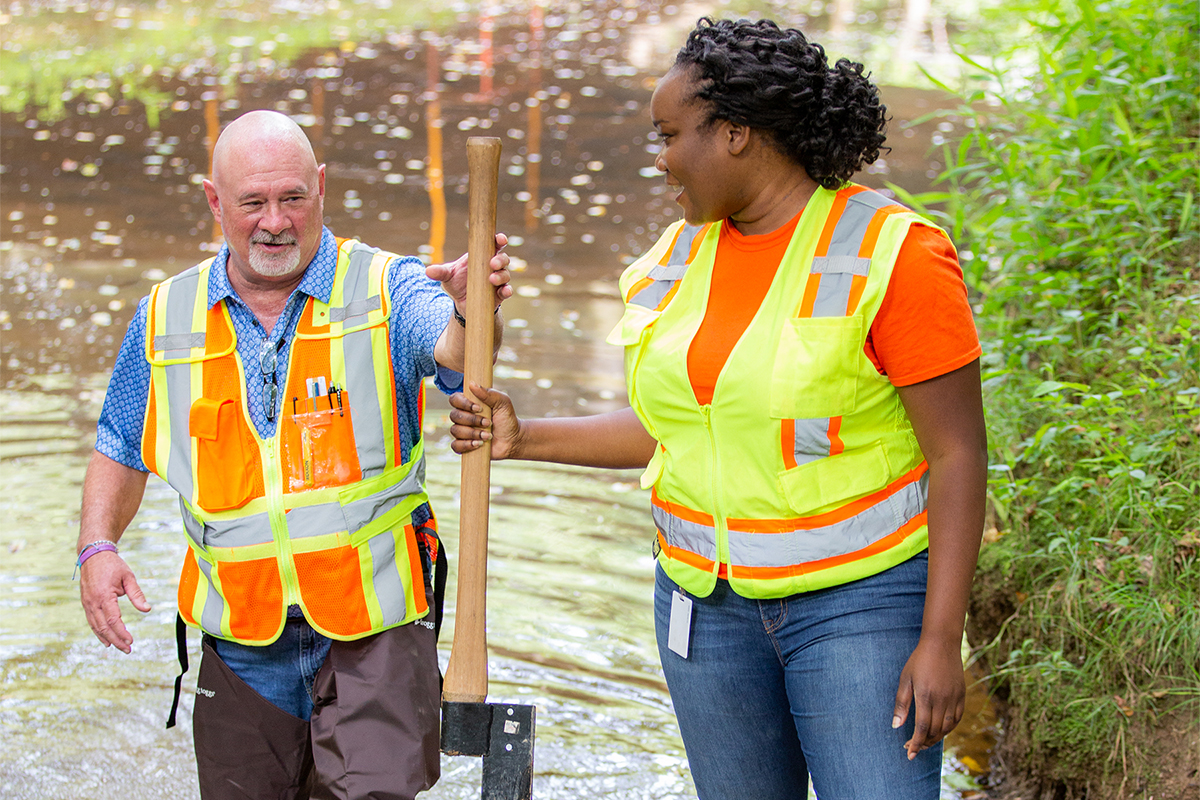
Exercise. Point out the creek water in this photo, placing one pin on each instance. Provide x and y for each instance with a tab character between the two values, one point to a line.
108	116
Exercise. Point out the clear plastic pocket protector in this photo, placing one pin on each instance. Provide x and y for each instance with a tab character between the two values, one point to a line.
318	449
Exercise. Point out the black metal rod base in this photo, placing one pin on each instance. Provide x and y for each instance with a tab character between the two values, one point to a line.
500	732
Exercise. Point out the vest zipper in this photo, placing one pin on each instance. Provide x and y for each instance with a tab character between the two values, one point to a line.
719	525
273	476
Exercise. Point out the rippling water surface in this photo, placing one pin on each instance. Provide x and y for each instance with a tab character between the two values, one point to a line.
108	111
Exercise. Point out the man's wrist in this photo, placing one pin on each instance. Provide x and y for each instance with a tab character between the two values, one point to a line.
89	550
461	320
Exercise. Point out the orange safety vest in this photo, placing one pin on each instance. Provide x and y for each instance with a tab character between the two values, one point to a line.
320	514
803	472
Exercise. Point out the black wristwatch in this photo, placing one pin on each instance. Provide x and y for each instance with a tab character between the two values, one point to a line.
463	320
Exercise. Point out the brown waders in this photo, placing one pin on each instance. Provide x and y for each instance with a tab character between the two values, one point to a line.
373	733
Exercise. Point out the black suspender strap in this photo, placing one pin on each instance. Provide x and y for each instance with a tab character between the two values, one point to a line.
181	644
441	568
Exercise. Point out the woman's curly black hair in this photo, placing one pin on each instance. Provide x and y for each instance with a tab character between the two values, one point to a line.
829	120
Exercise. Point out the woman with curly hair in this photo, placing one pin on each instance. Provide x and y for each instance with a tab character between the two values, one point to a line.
803	376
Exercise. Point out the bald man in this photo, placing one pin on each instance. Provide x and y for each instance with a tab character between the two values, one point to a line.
278	388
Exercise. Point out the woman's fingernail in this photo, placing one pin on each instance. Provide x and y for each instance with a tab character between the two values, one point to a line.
897	721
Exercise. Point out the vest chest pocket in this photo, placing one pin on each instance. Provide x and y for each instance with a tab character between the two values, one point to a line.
318	449
816	368
223	462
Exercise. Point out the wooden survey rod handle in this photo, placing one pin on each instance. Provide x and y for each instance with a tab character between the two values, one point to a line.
466	673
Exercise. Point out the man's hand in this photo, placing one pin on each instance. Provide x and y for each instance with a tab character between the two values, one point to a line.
102	579
112	493
453	276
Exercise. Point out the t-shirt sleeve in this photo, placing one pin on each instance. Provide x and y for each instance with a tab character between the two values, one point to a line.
924	327
420	311
123	415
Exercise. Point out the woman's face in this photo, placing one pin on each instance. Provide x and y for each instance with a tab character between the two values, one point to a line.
695	156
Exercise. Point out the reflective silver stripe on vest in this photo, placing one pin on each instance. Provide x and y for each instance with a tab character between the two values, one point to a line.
813	544
827	265
812	439
369	435
360	512
358	308
305	521
667	272
664	276
318	520
214	604
240	532
691	536
385	578
833	293
193	526
181	306
179	341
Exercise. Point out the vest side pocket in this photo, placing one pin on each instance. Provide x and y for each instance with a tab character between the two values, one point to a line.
223	480
829	482
816	368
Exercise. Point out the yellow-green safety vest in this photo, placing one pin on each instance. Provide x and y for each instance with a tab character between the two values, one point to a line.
803	472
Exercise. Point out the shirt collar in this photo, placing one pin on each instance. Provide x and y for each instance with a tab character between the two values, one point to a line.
317	281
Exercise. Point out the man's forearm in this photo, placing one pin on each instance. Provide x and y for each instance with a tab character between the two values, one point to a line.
451	347
112	493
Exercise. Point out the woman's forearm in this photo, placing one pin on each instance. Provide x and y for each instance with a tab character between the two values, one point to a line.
615	440
947	418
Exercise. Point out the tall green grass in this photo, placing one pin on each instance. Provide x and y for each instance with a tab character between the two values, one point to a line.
1075	189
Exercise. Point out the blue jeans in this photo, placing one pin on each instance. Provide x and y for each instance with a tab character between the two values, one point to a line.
283	671
775	690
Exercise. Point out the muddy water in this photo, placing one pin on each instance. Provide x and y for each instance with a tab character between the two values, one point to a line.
100	163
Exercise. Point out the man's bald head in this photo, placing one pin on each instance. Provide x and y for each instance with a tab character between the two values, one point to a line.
259	132
268	194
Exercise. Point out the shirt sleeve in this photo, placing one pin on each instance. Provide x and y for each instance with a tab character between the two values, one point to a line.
924	327
123	415
420	311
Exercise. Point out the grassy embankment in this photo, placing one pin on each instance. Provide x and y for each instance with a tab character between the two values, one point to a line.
1076	190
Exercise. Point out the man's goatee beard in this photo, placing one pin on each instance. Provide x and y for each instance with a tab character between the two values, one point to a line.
274	266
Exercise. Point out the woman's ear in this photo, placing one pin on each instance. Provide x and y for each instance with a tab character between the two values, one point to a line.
737	137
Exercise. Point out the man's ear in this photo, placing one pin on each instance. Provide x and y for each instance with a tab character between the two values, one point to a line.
214	202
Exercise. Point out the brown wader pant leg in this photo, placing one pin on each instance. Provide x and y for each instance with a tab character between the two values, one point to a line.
376	716
246	747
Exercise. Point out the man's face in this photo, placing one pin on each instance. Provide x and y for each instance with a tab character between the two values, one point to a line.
269	198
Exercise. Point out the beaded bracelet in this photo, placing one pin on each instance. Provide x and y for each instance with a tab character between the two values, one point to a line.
92	549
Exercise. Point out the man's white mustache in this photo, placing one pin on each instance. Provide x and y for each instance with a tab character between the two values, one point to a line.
266	238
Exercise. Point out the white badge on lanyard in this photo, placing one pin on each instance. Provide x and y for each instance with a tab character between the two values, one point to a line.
680	631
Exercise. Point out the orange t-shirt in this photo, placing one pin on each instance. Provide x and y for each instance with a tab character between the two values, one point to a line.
924	327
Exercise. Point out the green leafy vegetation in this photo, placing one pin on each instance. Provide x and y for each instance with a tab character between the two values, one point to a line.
102	54
1075	189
